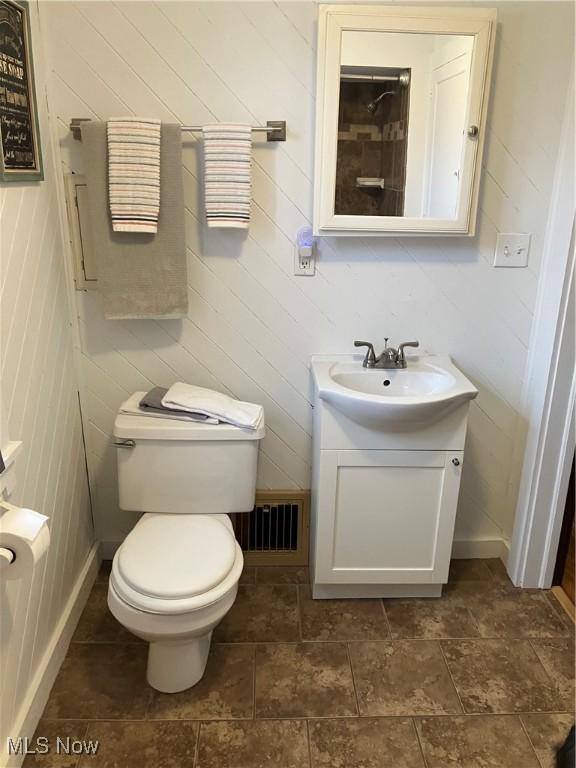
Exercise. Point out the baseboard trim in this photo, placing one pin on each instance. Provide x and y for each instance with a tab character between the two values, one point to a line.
505	551
480	548
39	689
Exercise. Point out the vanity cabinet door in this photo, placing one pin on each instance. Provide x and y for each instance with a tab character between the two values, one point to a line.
386	517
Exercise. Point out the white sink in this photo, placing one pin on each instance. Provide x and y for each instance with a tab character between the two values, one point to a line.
423	392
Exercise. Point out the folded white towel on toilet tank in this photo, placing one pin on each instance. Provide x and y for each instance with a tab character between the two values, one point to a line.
187	397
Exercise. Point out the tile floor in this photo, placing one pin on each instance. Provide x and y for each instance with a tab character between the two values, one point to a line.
481	678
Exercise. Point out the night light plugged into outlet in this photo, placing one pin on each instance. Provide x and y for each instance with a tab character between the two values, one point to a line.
304	261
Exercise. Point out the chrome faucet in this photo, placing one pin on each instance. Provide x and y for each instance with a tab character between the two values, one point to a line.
390	357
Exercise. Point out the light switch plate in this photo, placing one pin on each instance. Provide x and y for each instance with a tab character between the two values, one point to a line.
512	250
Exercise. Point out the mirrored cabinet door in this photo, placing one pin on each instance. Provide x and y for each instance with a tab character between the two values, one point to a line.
401	112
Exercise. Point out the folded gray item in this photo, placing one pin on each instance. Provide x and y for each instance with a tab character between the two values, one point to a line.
140	275
152	401
132	407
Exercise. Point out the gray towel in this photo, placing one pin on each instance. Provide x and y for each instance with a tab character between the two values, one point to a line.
153	398
152	401
140	275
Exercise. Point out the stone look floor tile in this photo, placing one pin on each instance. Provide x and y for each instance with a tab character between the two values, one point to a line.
226	692
498	571
248	575
547	733
142	745
304	680
261	613
489	741
557	658
560	611
462	592
469	570
341	619
253	744
503	612
405	677
429	618
97	623
364	743
282	574
101	681
51	730
494	676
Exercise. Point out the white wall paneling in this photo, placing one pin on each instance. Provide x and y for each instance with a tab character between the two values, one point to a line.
39	392
550	386
253	325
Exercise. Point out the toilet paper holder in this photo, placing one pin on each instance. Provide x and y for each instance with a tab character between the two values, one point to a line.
7	557
24	541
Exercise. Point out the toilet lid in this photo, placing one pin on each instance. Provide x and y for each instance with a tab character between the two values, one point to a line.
176	556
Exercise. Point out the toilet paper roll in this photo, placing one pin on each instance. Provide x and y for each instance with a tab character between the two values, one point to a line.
26	534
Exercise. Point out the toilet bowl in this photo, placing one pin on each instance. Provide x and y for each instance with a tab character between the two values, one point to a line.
176	574
173	580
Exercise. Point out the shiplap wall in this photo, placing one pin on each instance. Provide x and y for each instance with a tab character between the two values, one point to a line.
252	325
39	392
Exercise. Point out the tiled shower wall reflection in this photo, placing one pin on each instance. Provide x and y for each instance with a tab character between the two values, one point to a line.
371	145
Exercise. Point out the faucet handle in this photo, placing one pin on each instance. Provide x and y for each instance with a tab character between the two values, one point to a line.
406	344
370	358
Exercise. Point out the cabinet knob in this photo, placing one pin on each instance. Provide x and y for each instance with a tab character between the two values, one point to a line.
473	131
456	462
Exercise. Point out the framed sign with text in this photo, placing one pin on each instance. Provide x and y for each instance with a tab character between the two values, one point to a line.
20	155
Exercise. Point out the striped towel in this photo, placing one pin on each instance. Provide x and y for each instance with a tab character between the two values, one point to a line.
227	173
134	174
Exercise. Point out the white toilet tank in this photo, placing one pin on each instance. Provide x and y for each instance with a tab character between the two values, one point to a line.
173	466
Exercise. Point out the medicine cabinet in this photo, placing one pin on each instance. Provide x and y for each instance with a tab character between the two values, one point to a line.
402	98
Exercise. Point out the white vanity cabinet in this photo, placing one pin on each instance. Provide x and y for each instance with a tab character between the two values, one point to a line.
386	517
383	502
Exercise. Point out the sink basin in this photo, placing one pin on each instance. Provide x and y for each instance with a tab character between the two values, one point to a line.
429	388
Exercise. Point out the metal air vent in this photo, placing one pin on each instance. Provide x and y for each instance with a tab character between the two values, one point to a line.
275	532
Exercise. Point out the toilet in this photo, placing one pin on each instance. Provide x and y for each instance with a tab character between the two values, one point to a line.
175	576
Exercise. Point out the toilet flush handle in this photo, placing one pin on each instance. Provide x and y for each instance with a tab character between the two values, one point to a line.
124	443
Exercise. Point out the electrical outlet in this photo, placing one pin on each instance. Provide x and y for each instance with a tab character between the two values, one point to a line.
304	262
512	250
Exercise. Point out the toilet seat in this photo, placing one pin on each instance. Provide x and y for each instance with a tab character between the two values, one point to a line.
174	564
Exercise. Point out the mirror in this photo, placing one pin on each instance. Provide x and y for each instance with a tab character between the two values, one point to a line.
401	123
401	107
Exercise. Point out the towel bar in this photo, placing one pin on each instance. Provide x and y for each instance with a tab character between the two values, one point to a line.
275	129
